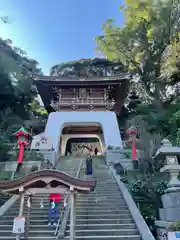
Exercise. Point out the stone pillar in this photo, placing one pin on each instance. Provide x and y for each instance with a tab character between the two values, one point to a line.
171	198
21	207
72	214
29	203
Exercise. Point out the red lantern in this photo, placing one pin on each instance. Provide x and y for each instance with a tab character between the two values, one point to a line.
132	133
23	141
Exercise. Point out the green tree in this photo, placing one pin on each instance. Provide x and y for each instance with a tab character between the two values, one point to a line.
150	29
97	67
17	91
146	190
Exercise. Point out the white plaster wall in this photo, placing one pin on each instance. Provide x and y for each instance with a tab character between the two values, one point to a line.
106	120
65	138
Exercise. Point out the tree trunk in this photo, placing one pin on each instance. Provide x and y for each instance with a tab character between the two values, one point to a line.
157	102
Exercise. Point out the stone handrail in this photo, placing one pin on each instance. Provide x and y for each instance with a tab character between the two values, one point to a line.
5	207
62	223
137	217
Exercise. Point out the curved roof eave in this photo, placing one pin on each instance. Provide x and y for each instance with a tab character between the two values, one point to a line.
42	178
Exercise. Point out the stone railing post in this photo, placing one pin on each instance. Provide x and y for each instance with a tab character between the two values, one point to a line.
21	207
72	214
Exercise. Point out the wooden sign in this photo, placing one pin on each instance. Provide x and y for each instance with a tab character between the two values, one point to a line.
19	225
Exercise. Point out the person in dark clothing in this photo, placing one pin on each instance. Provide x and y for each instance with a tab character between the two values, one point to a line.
96	151
89	168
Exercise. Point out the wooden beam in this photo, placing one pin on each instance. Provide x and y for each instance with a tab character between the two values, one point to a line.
34	191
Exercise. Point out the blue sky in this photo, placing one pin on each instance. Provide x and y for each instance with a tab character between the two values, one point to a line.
55	31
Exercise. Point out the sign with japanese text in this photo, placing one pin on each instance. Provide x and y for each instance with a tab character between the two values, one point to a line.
173	235
19	225
41	141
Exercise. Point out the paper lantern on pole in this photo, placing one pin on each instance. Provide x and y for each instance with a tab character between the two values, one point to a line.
23	141
132	133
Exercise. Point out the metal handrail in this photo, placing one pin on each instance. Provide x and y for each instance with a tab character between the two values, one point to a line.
66	200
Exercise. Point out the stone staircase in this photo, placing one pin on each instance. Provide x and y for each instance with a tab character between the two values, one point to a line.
38	228
103	214
118	156
50	155
69	165
4	198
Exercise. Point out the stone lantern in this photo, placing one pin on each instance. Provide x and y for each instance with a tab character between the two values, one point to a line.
171	198
170	153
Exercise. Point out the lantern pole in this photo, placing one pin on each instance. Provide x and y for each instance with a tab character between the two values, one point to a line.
132	133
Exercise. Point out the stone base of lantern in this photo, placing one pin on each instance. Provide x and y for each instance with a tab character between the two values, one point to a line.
174	183
162	228
169	213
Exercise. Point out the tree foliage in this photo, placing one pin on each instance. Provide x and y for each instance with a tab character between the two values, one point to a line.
18	104
96	67
146	190
148	47
146	44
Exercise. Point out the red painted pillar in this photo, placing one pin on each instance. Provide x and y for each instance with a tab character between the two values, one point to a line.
131	132
21	153
134	152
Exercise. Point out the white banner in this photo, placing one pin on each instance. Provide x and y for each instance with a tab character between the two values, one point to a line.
41	141
173	235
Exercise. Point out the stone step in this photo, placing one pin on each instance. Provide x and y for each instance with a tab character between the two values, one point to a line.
108	195
105	191
103	226
107	232
9	227
117	237
85	205
33	216
100	204
79	207
35	201
104	181
112	189
132	237
30	237
78	221
102	216
103	198
14	212
44	232
102	208
95	212
33	221
83	215
100	201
